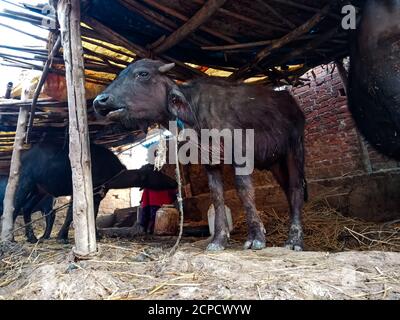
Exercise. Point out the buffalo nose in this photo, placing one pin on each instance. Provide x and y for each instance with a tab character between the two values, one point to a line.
103	104
102	98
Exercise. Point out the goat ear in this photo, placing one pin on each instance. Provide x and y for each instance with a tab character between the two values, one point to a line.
166	67
177	102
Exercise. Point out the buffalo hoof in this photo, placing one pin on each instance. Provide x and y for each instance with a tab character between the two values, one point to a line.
295	240
213	247
218	242
62	241
32	240
254	244
294	247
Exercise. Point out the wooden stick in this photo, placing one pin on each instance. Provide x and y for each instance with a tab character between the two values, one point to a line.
304	7
115	38
42	79
263	25
160	20
24	49
238	46
79	146
200	17
311	45
249	45
276	13
182	17
12	184
306	27
23	32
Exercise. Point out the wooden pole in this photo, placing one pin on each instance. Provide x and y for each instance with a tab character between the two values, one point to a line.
12	184
39	87
79	146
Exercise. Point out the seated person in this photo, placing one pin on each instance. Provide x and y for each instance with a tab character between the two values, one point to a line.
151	201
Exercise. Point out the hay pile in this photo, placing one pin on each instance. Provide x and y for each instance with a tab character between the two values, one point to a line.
325	229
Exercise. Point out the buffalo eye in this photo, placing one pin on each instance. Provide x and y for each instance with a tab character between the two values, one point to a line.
143	74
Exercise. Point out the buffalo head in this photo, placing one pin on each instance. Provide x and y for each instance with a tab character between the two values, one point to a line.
139	94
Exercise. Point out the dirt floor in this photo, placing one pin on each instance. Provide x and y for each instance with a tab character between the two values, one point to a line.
128	270
345	259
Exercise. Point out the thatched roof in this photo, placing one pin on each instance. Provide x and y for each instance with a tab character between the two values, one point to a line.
275	40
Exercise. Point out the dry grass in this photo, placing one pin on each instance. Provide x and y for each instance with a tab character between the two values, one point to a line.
325	229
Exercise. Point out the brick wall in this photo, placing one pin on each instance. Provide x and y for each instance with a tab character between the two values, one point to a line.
331	138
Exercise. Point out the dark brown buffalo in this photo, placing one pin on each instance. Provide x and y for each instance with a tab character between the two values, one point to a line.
144	94
374	78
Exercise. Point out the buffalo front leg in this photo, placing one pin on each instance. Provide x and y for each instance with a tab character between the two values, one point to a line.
221	234
256	230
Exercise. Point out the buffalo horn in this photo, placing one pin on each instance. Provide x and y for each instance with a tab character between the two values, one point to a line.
166	67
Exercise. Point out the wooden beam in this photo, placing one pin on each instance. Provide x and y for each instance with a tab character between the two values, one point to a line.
182	17
291	36
24	32
305	7
117	39
42	79
159	20
265	25
200	17
276	13
12	184
79	146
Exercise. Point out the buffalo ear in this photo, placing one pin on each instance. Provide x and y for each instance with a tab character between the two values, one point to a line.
177	102
166	67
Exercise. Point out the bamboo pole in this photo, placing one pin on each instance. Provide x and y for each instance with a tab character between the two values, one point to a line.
12	184
79	146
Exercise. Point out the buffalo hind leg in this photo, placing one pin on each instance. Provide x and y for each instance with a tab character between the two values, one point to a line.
256	231
291	181
50	216
62	236
96	203
221	234
296	195
63	233
31	203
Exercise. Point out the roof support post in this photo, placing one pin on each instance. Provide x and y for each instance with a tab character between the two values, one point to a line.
79	146
13	179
